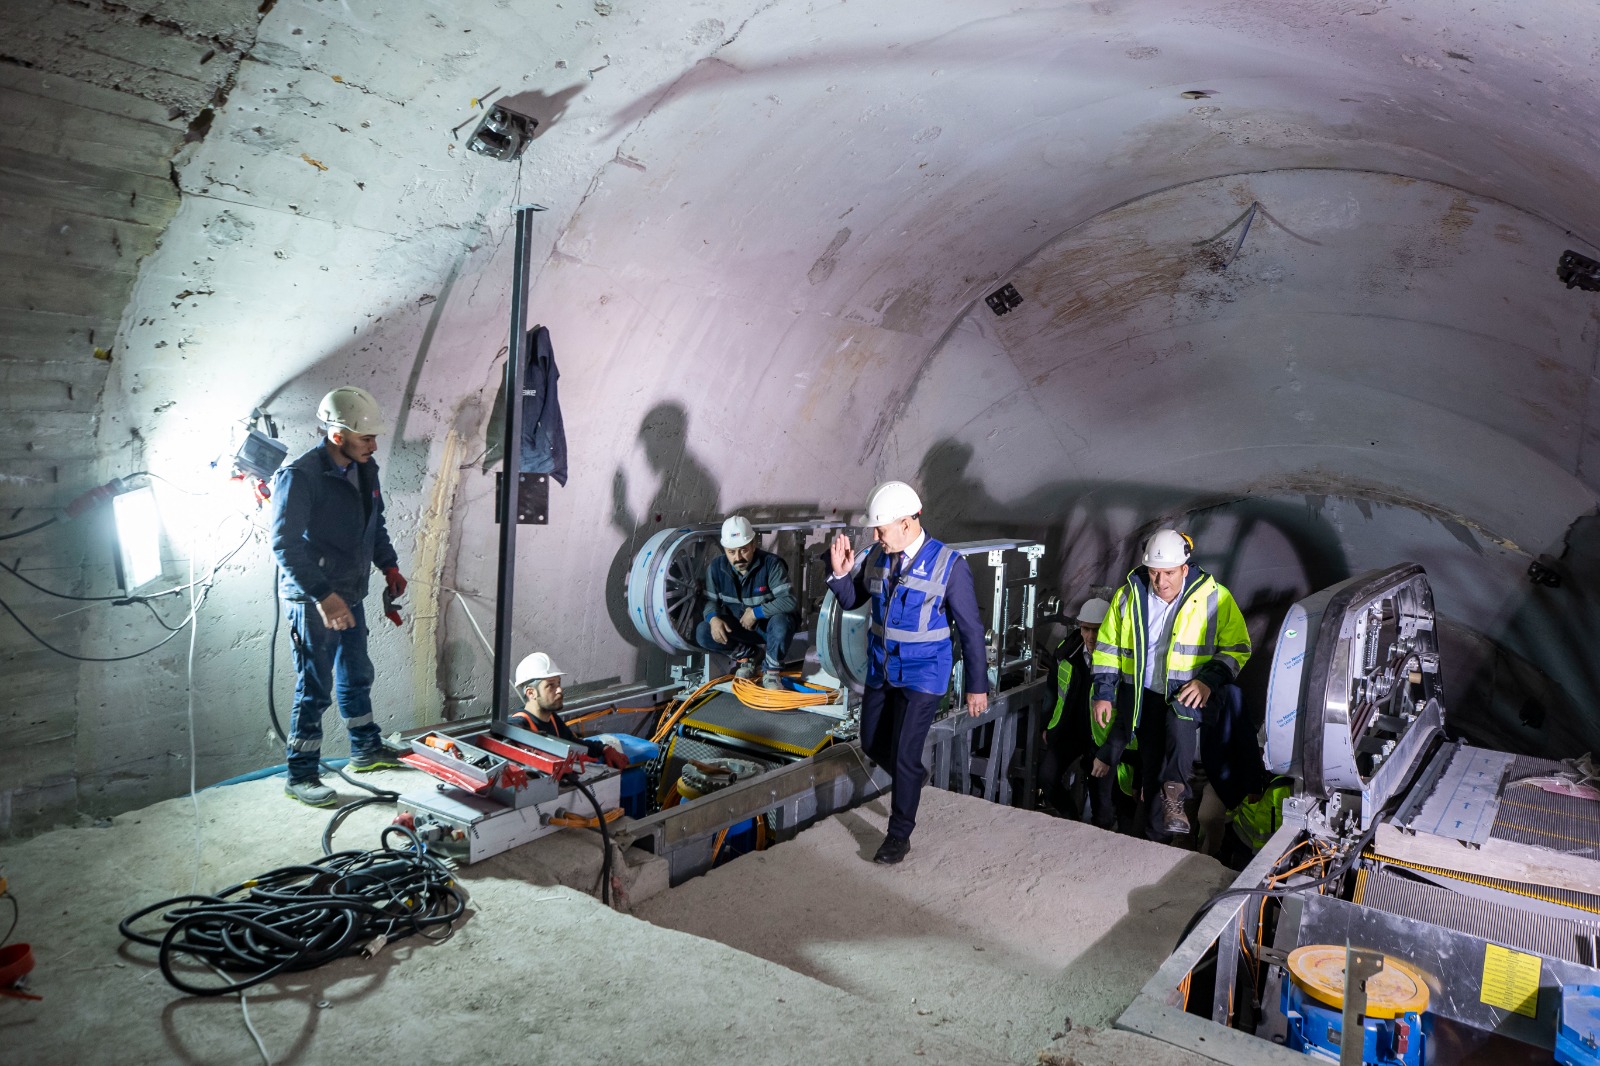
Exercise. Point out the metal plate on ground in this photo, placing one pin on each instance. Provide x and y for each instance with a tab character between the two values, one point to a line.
1464	803
797	732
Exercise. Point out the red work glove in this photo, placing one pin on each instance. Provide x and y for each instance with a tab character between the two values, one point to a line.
615	759
396	582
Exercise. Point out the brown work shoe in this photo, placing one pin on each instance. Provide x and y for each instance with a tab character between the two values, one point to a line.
1174	820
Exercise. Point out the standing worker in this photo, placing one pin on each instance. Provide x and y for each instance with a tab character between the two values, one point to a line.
750	604
328	535
1170	642
1072	738
919	588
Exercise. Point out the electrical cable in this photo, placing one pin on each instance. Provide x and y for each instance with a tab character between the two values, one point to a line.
121	600
1340	867
244	1009
31	529
208	583
194	793
687	704
762	698
605	837
85	658
297	918
344	812
16	915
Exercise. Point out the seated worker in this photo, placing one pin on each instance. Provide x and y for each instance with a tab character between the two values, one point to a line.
538	682
750	605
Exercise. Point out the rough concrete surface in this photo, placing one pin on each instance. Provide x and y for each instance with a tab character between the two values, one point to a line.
806	953
1004	927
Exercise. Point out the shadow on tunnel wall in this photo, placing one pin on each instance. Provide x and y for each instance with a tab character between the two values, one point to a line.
1269	553
547	108
1527	687
1541	702
686	492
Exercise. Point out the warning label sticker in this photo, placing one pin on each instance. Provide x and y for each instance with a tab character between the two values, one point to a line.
1510	980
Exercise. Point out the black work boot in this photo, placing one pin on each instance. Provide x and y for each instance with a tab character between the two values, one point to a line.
892	850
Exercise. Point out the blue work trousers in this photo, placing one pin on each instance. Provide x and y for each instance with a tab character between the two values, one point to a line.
771	634
329	665
894	727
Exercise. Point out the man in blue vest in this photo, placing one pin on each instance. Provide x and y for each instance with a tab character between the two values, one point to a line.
328	534
750	605
920	589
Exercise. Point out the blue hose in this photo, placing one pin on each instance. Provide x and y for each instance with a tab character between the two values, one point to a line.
271	771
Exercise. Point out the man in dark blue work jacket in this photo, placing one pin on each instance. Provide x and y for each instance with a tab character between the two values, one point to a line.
328	534
919	588
750	604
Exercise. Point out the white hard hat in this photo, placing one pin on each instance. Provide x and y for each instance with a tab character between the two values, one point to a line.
737	531
1093	612
892	500
1168	548
352	408
535	667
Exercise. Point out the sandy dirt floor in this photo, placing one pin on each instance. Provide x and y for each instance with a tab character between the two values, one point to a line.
999	926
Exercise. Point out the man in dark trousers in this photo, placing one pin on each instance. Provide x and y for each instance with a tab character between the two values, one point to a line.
919	589
328	535
1070	739
1171	645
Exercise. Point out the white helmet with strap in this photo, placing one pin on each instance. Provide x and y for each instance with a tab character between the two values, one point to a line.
351	408
890	501
1167	549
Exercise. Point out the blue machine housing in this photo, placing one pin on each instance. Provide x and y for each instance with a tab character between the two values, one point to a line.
1578	1039
1316	1030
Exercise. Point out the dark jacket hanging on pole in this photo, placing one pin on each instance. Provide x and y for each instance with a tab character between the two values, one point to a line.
544	437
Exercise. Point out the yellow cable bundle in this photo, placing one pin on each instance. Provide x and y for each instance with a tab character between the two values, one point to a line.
775	699
671	719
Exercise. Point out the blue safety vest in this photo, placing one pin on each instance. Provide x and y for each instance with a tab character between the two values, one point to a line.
909	638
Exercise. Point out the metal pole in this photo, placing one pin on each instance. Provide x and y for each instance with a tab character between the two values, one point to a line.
511	464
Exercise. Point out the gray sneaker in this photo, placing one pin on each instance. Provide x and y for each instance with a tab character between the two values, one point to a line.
311	792
746	669
772	679
1174	820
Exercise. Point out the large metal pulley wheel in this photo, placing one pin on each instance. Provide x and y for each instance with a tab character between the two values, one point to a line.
842	640
664	587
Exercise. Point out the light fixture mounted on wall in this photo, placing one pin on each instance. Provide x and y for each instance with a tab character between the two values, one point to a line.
1578	271
503	132
138	522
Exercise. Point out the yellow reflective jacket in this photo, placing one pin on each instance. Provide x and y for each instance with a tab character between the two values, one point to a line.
1209	639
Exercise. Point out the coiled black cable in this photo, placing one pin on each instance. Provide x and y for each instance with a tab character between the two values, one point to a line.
299	917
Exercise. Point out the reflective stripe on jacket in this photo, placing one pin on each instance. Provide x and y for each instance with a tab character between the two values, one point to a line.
908	639
765	587
1209	640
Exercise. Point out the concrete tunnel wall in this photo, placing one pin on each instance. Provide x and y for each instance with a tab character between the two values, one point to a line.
769	229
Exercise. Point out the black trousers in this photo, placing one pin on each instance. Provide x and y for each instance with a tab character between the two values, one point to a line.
1066	748
894	727
1169	743
1172	737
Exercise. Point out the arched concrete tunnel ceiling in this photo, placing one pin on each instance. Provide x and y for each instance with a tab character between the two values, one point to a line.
769	230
